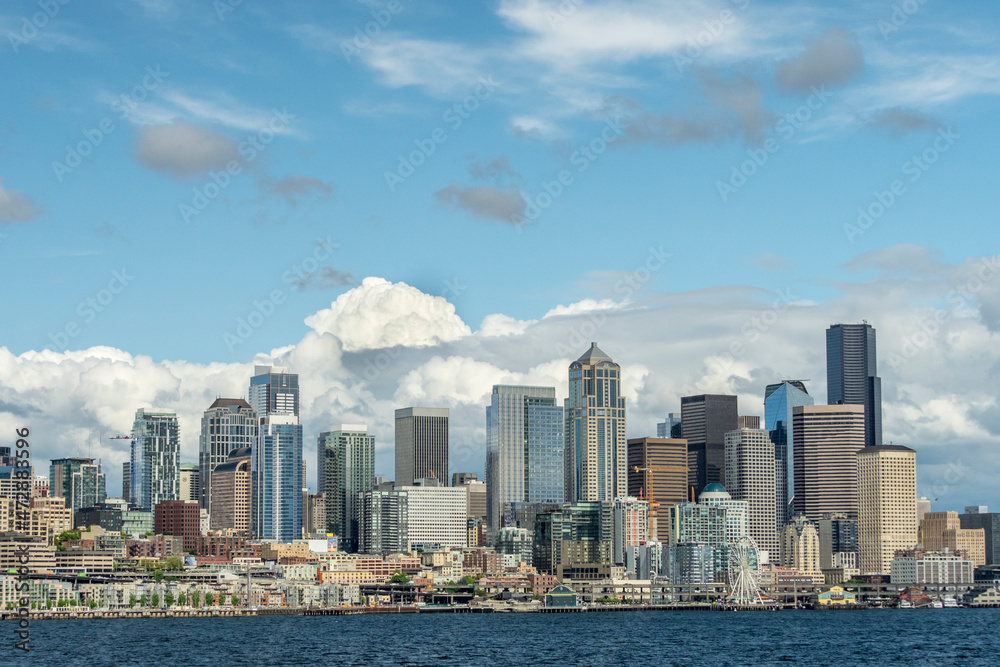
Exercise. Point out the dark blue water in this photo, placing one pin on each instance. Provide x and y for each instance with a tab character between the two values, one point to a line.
913	637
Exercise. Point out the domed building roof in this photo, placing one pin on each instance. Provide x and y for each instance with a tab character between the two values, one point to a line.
714	491
714	487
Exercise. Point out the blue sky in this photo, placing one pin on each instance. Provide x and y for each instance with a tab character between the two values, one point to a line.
671	97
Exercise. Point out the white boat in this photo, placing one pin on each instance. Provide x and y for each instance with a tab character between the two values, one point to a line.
905	604
937	604
950	602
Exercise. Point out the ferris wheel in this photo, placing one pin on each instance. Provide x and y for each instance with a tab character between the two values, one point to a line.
744	560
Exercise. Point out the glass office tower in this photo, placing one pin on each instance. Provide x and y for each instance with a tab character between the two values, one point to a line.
779	400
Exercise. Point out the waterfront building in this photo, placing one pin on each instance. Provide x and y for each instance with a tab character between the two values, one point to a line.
436	516
827	439
705	420
345	469
658	472
980	518
750	477
227	425
701	524
919	567
691	564
887	505
574	534
943	530
851	375
155	458
231	493
595	429
780	400
421	445
524	449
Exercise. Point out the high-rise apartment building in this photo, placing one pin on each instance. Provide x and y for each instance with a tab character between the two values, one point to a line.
524	449
737	511
658	472
383	523
345	468
779	402
704	525
231	486
750	476
156	458
595	449
421	445
228	424
77	480
126	480
705	420
851	376
800	546
436	515
838	541
887	505
827	439
276	466
629	526
575	533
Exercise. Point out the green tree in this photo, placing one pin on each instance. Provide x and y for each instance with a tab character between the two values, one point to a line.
196	599
182	600
480	592
143	600
49	604
399	578
209	599
92	604
66	535
131	600
467	580
173	563
64	602
235	600
156	599
33	605
158	575
169	599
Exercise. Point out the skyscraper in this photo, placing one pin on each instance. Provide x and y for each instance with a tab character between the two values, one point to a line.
595	446
345	468
779	401
851	376
524	449
231	493
383	523
276	469
156	458
658	472
705	420
227	425
750	476
421	445
887	505
79	481
669	427
826	442
190	483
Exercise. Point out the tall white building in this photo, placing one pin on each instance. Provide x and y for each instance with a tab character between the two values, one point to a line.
629	526
436	515
736	510
751	476
887	505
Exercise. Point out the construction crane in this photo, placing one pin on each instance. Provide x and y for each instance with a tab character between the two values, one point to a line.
654	506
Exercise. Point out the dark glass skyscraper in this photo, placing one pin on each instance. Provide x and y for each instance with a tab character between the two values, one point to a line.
779	400
705	420
851	376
